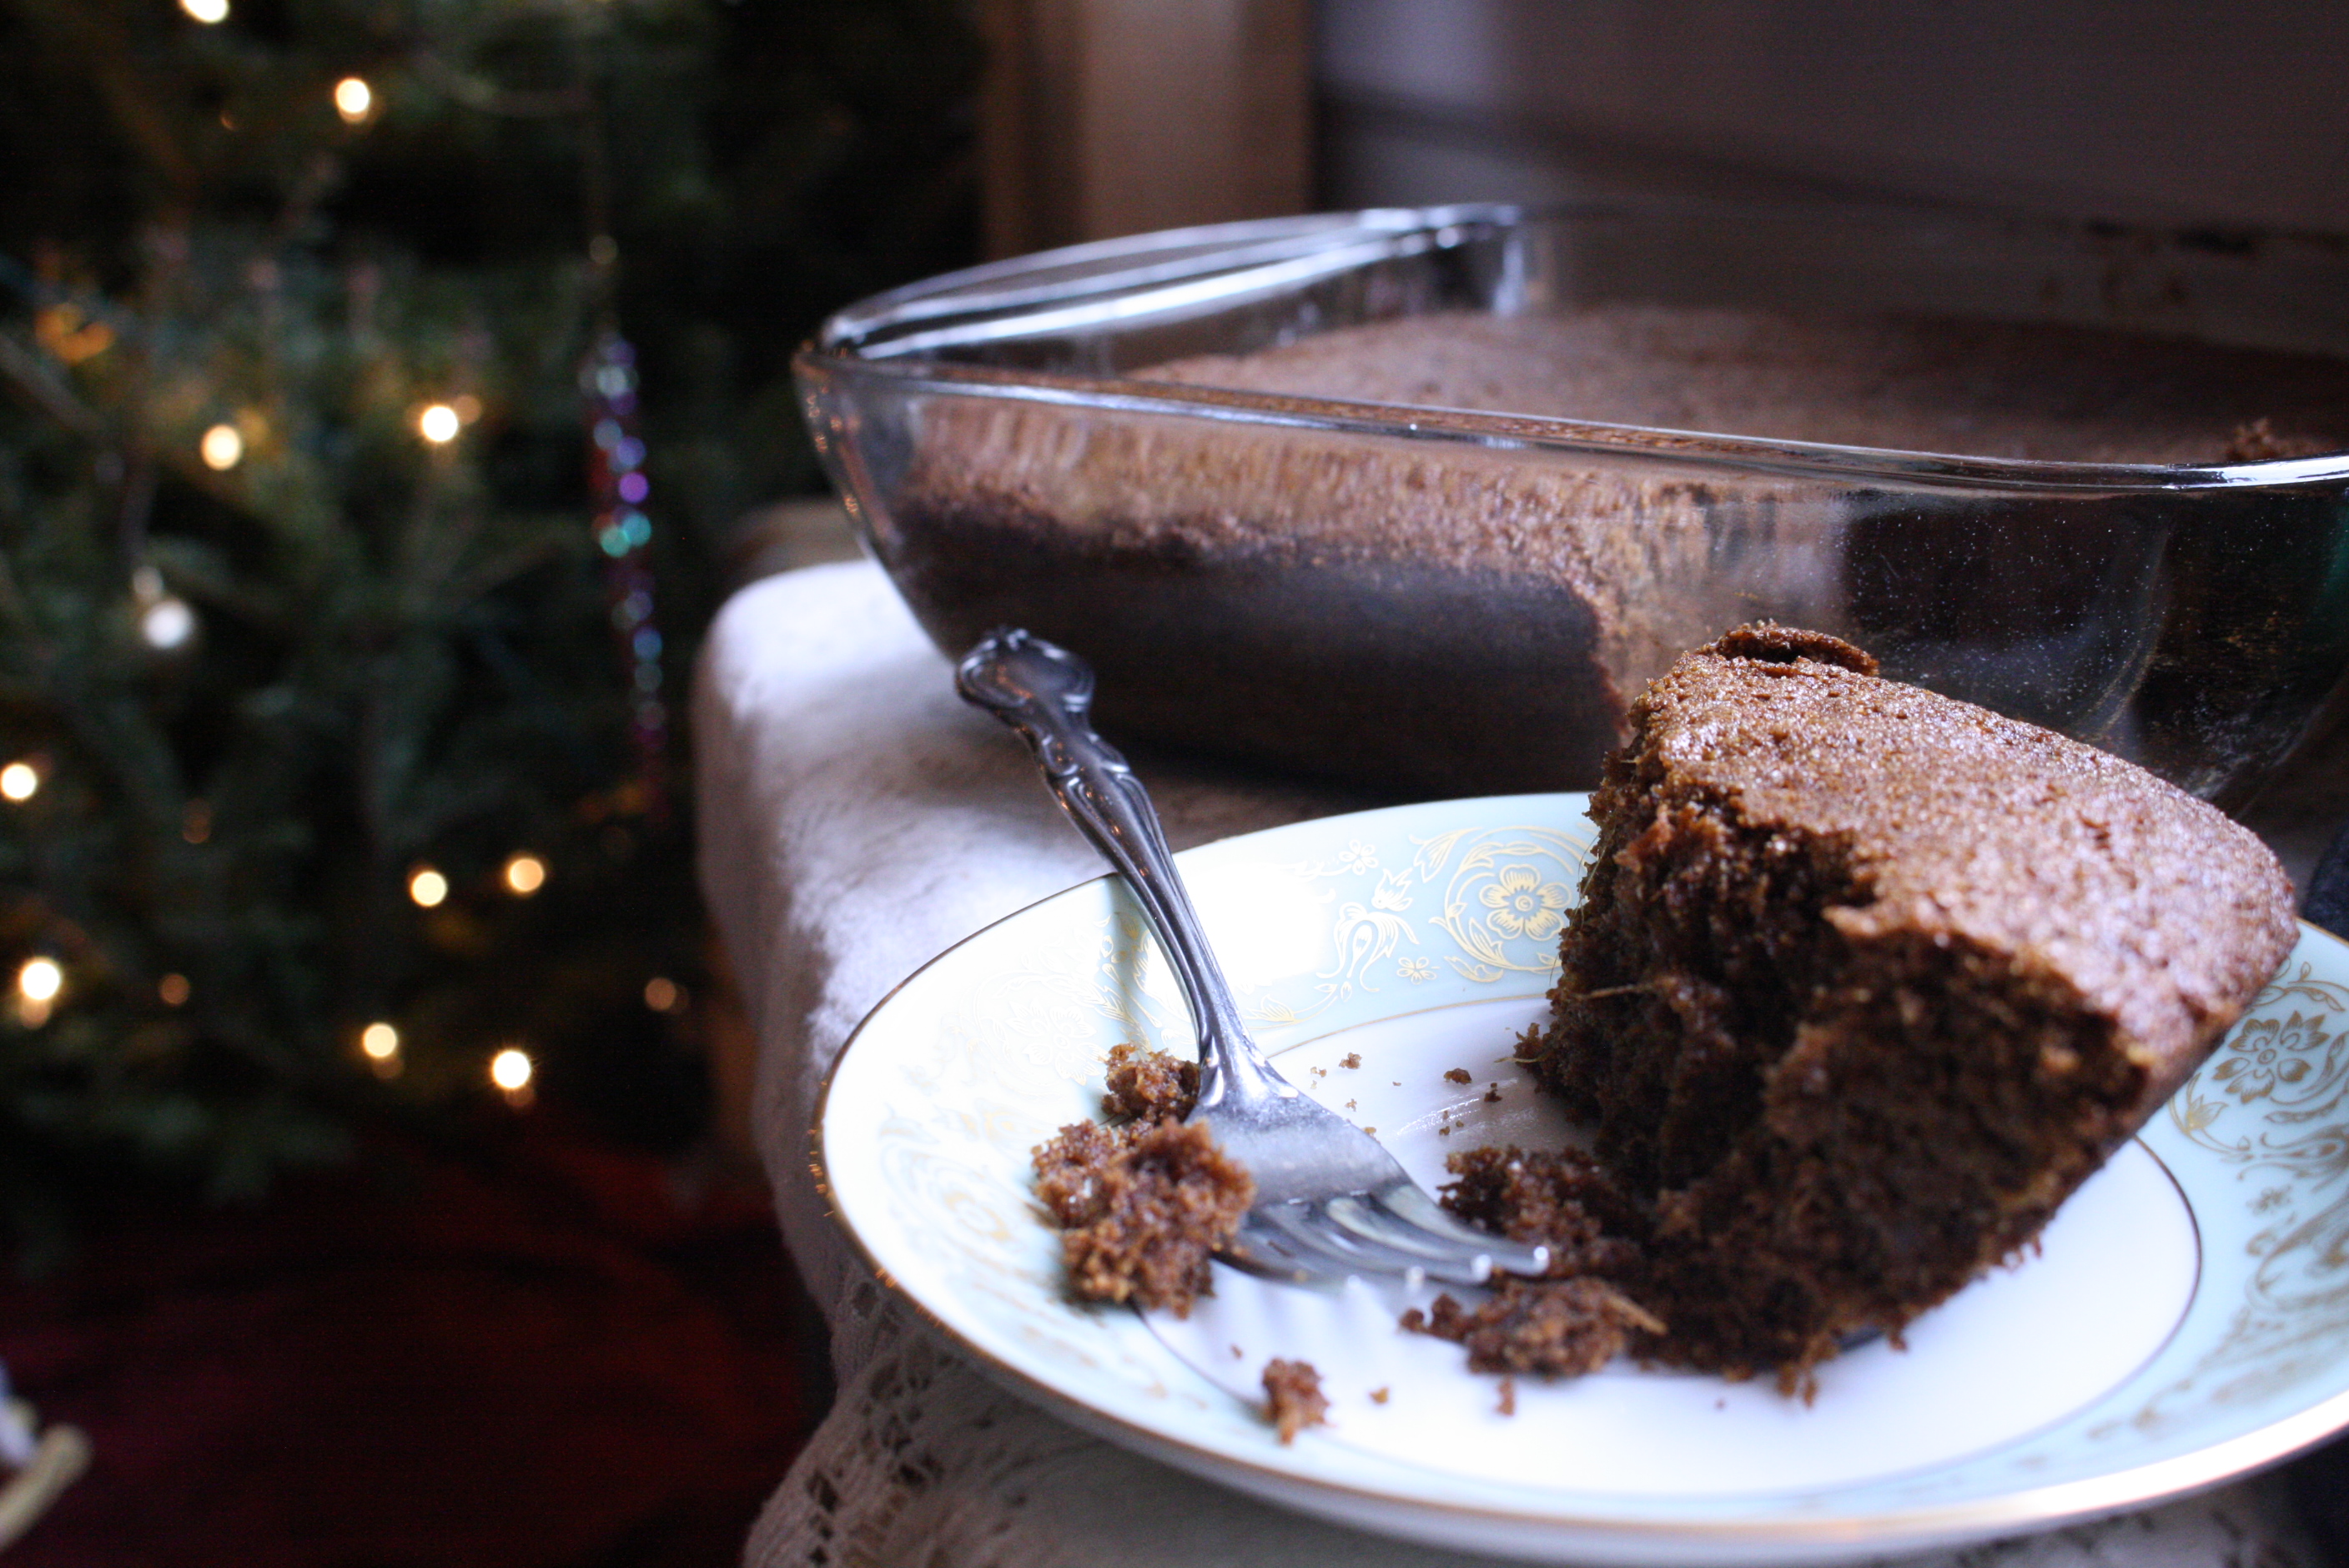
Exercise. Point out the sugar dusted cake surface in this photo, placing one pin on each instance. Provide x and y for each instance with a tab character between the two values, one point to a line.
1865	981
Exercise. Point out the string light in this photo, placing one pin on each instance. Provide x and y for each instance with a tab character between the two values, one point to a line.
427	887
165	620
39	984
221	448
661	993
510	1071
65	332
167	624
379	1043
40	980
525	874
211	13
196	822
438	423
353	100
19	781
173	989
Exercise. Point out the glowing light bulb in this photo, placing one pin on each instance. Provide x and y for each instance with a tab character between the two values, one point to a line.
353	100
166	623
525	874
661	993
427	886
438	424
511	1069
40	980
221	448
19	781
173	989
379	1041
211	13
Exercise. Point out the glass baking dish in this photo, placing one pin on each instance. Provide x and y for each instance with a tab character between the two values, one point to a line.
1458	600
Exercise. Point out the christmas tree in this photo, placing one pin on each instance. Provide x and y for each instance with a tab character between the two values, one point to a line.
384	373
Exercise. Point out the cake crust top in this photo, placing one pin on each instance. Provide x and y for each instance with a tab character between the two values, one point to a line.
1981	388
1964	825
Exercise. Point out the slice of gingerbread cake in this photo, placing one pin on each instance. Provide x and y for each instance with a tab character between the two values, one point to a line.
1866	981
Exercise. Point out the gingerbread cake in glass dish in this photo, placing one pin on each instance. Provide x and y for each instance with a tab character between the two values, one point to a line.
1864	983
1431	600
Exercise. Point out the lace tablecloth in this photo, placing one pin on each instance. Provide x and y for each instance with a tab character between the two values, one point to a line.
856	820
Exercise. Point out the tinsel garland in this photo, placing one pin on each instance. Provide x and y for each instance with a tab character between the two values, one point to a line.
615	469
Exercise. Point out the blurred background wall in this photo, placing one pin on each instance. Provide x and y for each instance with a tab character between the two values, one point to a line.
1106	117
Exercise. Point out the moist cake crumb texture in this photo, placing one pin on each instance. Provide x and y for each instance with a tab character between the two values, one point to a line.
1863	983
1149	1084
1142	1205
1563	1198
1556	1329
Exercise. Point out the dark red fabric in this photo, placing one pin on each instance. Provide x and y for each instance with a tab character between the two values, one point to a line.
539	1351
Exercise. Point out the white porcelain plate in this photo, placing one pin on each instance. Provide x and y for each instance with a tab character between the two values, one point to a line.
2186	1319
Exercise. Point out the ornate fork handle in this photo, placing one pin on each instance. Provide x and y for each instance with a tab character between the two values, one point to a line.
1046	697
1329	1201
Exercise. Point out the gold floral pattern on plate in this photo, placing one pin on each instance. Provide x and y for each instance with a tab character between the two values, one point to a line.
2268	1108
1501	898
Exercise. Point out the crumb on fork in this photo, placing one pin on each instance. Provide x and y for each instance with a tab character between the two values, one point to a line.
1144	1205
1149	1085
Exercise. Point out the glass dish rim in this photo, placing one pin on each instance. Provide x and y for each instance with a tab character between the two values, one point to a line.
1225	262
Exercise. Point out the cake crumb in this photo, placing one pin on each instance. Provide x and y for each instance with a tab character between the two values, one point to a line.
1459	1075
1562	1198
1351	1105
1293	1399
1558	1328
1509	1405
1141	1208
1149	1085
1493	1095
1379	1396
1350	1059
1238	1352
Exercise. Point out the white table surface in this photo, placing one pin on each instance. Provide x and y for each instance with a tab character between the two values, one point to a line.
856	820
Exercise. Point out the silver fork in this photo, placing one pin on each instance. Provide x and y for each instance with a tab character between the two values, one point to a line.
1329	1201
